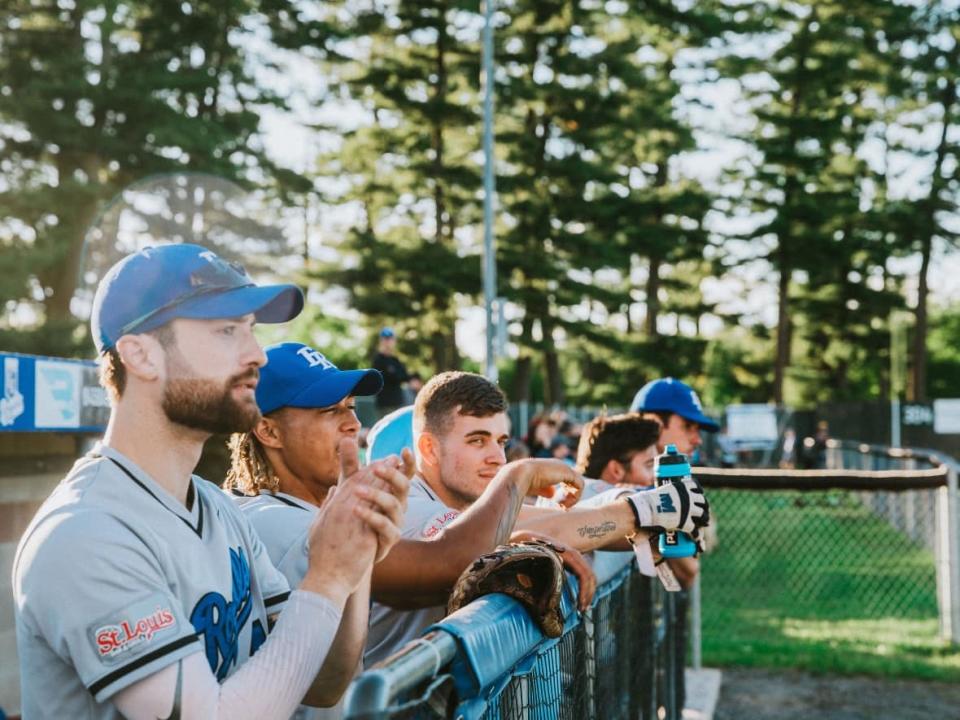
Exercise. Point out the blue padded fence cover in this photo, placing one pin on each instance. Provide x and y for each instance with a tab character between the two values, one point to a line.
498	639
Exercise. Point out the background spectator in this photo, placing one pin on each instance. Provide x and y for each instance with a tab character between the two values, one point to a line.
394	373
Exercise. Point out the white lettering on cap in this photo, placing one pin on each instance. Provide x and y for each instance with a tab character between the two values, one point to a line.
315	358
696	400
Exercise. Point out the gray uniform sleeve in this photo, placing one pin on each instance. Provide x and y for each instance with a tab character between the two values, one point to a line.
101	598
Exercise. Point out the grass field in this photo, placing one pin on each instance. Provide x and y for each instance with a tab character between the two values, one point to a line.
815	581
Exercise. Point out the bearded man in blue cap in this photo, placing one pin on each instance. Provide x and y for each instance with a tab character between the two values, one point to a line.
140	590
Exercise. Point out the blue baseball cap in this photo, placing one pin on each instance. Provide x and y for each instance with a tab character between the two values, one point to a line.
391	434
387	332
671	395
151	287
298	376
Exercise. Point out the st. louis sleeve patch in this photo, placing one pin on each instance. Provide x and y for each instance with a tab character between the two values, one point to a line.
145	623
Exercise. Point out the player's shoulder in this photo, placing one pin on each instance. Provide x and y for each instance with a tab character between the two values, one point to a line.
276	517
426	514
73	502
268	503
68	535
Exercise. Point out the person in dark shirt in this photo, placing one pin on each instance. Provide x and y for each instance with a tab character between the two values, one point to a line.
394	373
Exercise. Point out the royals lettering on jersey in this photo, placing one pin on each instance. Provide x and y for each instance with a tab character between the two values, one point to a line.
219	621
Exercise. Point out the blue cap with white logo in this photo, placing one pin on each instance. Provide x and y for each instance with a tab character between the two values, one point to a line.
671	395
296	375
150	288
391	434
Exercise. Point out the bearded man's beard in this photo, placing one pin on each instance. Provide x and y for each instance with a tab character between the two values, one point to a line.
200	404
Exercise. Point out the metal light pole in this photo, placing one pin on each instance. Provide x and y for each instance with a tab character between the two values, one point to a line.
489	250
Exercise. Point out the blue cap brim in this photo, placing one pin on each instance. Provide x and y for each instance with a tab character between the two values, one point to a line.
269	303
704	422
334	387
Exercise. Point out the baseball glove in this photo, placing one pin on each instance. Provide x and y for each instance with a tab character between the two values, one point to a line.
530	572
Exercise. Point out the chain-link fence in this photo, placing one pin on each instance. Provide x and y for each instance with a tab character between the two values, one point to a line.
832	570
618	660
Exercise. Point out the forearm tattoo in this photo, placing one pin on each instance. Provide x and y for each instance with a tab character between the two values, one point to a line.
596	531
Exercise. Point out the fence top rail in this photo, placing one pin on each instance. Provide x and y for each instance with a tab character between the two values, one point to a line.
771	479
932	457
375	689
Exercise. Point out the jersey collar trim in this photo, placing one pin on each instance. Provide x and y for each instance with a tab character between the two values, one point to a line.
149	485
290	500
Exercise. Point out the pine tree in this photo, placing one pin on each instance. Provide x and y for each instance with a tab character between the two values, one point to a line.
94	96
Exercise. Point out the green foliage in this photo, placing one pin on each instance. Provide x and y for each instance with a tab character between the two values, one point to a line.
607	237
98	94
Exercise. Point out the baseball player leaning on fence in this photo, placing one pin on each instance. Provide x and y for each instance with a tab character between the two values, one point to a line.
678	408
140	590
282	472
619	451
460	428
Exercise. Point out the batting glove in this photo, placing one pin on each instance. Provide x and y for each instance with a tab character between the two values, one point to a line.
677	505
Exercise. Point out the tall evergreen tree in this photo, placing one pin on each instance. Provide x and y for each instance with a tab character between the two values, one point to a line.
95	95
413	69
931	73
808	101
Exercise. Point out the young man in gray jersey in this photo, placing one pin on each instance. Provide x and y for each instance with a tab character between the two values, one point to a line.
140	591
460	430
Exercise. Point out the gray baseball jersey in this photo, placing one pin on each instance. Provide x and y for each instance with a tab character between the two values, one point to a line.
283	523
114	579
391	629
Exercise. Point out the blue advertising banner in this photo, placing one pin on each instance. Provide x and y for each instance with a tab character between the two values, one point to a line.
42	394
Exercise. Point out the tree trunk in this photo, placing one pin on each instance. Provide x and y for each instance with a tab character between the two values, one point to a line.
653	296
553	382
928	225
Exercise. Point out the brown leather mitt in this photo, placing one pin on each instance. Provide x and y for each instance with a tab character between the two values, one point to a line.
530	572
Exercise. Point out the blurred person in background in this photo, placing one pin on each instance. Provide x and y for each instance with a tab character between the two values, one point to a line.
516	450
394	373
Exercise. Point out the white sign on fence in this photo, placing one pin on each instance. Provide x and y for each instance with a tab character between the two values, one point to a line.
946	416
753	425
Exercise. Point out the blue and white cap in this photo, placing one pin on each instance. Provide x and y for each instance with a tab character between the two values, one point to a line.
671	395
151	287
298	376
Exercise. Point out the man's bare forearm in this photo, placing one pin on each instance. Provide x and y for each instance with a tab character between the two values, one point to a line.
604	527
